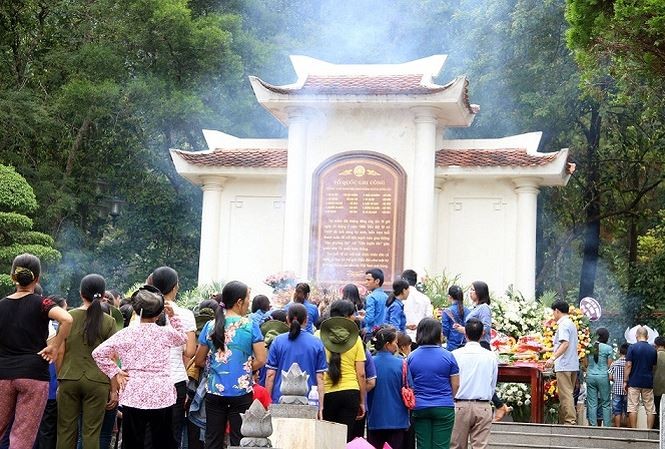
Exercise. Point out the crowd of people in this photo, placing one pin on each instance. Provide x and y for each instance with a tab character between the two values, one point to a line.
169	378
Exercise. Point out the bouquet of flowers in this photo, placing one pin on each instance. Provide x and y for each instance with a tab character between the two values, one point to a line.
516	316
551	398
518	396
281	281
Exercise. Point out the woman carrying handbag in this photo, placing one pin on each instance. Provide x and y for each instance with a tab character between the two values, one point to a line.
390	400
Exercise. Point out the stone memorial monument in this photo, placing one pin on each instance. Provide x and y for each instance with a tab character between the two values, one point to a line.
367	178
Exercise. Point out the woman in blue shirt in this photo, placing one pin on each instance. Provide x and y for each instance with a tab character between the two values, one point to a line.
231	348
598	380
298	347
435	382
454	314
480	297
260	309
387	418
395	306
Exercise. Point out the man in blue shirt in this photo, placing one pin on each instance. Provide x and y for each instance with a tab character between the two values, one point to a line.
300	296
375	303
638	377
478	370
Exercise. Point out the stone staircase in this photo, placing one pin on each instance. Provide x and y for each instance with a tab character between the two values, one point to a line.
547	436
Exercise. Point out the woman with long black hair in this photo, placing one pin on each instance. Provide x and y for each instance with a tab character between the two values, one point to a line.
345	380
456	313
298	347
230	347
84	390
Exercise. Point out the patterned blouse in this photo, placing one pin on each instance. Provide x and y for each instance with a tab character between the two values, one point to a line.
144	352
230	371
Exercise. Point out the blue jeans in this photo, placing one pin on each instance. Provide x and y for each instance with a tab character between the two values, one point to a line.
619	404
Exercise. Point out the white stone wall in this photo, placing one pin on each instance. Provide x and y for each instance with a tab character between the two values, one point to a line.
476	231
251	231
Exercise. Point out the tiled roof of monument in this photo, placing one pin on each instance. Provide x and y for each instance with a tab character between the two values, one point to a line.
367	85
500	157
359	85
276	158
245	157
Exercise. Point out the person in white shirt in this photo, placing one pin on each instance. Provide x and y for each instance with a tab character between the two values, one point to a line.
165	279
417	307
478	370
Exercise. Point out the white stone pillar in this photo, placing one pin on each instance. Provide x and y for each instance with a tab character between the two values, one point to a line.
210	229
423	210
294	206
525	252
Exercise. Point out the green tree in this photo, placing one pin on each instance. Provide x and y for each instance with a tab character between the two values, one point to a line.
628	36
17	201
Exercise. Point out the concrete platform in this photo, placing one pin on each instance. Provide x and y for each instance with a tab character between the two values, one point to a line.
298	433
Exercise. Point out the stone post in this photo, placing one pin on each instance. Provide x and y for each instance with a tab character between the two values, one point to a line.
525	251
210	229
256	426
423	210
294	207
293	403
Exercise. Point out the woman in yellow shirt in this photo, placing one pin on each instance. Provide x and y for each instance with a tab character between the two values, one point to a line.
345	379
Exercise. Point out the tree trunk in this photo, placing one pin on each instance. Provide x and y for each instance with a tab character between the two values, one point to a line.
632	251
592	211
76	146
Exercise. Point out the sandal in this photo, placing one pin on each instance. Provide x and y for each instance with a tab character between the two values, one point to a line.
500	413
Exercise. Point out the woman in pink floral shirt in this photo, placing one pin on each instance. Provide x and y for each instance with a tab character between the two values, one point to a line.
146	391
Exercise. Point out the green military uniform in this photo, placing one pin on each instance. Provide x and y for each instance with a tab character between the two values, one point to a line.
83	390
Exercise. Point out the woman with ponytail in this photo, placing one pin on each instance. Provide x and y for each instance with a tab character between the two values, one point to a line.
344	382
230	347
388	417
25	352
597	379
296	346
83	393
456	313
395	305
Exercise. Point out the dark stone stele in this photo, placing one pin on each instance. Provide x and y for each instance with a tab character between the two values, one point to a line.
358	213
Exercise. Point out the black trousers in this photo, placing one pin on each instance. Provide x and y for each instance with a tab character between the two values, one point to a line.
48	429
394	437
219	411
178	412
342	407
135	421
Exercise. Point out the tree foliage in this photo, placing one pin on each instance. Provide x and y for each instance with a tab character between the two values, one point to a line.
627	35
16	237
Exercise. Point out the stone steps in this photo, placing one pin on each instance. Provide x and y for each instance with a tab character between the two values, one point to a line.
544	436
